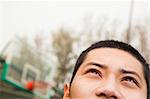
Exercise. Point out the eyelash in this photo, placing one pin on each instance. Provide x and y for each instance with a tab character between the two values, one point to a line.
97	72
131	80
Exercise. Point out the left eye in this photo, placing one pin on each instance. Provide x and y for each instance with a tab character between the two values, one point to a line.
130	80
94	71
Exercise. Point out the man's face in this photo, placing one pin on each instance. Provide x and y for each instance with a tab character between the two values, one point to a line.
108	73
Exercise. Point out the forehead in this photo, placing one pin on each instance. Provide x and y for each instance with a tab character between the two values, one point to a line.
115	58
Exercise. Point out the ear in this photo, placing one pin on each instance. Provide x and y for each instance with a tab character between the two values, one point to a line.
66	91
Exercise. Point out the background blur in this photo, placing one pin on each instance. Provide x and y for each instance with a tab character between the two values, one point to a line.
41	40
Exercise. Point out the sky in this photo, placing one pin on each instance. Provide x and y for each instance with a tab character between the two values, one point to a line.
32	17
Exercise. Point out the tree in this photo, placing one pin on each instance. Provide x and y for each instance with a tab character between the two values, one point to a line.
62	44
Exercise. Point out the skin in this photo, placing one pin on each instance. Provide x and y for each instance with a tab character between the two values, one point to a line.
108	73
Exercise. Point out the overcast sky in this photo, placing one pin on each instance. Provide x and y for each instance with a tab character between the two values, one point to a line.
30	17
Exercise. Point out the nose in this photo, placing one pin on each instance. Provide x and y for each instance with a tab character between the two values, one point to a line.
109	90
108	94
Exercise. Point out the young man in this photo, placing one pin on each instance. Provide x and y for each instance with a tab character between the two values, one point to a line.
109	70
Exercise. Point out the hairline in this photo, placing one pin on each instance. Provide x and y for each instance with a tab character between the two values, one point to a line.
87	52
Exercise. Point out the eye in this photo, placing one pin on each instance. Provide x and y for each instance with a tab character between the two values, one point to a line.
130	81
94	72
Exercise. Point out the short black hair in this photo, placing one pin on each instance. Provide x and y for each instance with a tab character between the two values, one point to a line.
118	45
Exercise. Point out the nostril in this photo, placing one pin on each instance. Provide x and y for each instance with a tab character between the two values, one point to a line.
106	96
113	97
101	95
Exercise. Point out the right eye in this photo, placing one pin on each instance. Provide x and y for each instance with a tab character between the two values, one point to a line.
94	72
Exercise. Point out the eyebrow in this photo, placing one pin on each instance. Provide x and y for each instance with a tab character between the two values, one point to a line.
97	64
123	71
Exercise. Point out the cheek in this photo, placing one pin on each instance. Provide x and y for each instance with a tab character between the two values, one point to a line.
134	94
82	88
